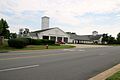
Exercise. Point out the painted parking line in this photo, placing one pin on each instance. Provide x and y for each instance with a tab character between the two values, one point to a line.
18	68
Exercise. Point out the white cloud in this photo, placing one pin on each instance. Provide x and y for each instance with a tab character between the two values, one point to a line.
74	6
63	11
15	28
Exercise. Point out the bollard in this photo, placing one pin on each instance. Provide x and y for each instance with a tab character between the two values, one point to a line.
47	46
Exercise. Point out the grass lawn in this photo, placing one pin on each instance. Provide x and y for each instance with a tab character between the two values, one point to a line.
40	47
5	47
116	76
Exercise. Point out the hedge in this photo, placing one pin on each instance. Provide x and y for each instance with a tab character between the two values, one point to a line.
22	42
17	43
42	42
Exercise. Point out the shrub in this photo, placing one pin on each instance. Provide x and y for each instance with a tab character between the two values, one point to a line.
50	42
42	42
28	41
22	42
17	43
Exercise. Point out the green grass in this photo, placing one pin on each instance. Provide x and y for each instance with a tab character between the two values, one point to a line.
116	76
40	47
5	47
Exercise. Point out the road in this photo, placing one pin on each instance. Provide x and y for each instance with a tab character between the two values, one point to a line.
64	64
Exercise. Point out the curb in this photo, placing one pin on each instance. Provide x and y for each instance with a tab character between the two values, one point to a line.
104	75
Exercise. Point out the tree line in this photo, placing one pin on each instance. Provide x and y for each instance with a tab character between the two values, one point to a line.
110	40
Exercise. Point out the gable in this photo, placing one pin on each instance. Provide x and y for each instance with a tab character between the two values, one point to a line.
54	32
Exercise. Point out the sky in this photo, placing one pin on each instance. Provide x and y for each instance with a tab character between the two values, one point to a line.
80	16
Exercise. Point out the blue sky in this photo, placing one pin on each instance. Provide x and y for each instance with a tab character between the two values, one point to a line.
80	16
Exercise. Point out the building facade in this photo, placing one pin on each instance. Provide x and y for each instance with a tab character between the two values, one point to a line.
54	34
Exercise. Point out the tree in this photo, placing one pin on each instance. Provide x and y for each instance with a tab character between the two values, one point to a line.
118	38
111	40
105	39
7	35
13	35
4	29
4	32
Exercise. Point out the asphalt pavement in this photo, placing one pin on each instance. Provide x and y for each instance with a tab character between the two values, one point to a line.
64	64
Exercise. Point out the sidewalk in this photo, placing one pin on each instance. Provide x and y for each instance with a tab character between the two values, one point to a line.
88	46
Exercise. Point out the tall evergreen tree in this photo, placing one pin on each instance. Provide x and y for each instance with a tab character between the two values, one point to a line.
4	28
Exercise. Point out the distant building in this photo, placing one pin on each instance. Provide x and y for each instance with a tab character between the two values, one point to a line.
81	39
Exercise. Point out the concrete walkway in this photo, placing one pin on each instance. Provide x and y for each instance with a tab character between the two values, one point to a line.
88	46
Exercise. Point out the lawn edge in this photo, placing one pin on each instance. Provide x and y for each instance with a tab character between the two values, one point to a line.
29	50
104	75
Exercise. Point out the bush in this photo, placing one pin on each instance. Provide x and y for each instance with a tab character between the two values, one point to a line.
42	42
28	41
50	42
17	43
22	42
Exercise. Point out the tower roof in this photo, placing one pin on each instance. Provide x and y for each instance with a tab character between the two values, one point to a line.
45	17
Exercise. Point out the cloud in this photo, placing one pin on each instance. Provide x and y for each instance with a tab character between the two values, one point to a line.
71	15
15	28
74	6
